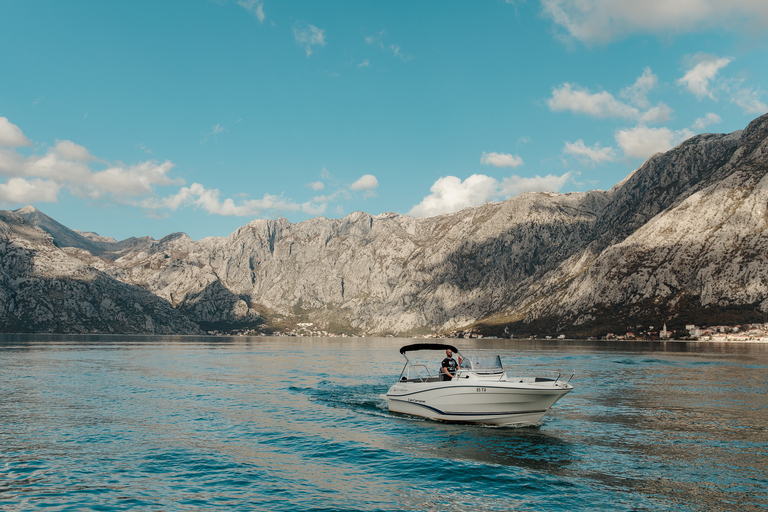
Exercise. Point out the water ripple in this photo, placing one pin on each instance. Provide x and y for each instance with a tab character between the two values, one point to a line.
285	424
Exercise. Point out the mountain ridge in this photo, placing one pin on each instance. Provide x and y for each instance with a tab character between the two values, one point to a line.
578	263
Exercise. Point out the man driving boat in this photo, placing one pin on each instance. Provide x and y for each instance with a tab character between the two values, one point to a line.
449	366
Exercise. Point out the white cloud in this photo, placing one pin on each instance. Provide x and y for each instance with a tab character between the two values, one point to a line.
604	105
704	70
702	122
366	63
377	39
749	101
366	182
594	154
53	166
68	165
656	115
20	190
209	200
11	163
601	21
11	135
68	150
135	180
451	194
642	141
501	160
255	7
580	100
515	185
397	53
637	93
309	36
336	195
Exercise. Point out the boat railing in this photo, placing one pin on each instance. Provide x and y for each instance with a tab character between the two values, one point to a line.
421	372
485	374
538	374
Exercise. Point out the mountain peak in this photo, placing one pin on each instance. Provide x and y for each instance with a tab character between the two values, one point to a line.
29	209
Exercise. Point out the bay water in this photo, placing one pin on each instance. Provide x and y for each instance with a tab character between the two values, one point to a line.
273	423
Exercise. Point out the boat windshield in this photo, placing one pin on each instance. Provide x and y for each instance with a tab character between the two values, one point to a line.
482	363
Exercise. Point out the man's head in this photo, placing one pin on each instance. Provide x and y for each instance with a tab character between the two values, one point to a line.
449	353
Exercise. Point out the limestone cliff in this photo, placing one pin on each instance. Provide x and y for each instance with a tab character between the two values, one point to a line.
42	289
681	236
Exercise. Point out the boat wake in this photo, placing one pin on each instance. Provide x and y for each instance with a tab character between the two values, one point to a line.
366	398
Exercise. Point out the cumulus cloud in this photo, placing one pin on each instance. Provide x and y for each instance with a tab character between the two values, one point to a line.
310	36
749	101
573	98
130	181
642	141
600	104
702	122
70	166
637	93
451	194
210	200
367	183
11	135
705	68
68	150
501	160
594	154
601	21
20	190
255	7
514	185
656	115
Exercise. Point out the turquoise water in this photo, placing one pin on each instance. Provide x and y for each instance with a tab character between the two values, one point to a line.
186	423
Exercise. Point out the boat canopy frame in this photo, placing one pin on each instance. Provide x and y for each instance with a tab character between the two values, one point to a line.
427	346
422	346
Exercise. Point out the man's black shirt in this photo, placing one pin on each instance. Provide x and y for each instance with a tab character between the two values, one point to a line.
450	364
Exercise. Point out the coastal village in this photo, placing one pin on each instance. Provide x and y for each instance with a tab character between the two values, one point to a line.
743	333
755	333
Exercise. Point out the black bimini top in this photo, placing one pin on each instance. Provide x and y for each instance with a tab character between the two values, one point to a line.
427	346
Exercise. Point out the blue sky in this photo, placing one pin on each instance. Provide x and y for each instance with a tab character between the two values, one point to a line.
134	118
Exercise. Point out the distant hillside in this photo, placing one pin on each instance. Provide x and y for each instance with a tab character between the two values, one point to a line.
42	289
682	239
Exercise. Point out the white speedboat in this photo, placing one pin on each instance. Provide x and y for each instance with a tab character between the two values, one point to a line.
481	390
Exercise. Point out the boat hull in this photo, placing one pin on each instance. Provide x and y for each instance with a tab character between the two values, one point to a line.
476	401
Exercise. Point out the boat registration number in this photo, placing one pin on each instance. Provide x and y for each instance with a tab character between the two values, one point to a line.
481	390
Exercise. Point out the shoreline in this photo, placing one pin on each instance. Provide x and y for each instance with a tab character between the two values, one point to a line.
708	340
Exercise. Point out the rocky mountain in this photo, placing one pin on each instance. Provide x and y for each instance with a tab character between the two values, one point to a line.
681	239
42	289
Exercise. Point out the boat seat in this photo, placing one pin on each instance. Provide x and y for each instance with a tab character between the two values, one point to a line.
417	379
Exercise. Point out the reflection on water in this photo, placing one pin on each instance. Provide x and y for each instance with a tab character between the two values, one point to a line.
177	423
